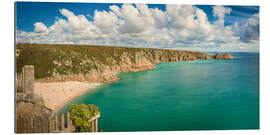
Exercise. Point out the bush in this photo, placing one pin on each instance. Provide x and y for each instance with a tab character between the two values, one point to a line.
80	114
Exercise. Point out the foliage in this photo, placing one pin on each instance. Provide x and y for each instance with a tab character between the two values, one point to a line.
80	114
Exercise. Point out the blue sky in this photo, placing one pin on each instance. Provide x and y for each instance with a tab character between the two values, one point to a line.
197	27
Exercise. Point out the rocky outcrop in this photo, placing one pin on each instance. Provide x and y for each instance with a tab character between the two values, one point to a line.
220	56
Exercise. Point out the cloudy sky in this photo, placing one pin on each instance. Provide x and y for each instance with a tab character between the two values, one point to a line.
187	27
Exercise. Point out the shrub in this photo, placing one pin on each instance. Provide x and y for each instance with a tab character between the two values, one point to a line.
80	114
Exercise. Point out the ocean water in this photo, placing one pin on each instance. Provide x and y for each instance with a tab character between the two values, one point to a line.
190	95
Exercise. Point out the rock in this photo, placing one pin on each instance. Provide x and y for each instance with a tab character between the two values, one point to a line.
226	56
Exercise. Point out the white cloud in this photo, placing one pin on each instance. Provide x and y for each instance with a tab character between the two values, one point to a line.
40	27
134	21
180	26
251	30
106	21
220	11
160	18
181	17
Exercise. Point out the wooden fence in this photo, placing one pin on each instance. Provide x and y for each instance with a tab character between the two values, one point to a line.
41	121
19	82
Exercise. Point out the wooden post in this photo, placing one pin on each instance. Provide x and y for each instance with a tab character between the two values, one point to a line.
28	79
69	124
62	121
50	126
93	126
55	122
93	123
96	125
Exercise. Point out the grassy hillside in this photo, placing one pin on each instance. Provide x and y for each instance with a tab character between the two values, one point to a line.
74	59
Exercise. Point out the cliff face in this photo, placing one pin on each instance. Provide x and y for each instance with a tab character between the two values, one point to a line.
94	63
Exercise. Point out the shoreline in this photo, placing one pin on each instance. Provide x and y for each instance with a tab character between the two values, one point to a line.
50	91
58	108
39	89
58	94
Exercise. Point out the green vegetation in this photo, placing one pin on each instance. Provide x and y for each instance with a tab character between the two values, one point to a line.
53	60
80	114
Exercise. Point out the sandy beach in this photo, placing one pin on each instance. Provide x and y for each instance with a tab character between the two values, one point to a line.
56	94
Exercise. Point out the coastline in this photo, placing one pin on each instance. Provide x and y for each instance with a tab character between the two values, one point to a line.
58	90
57	94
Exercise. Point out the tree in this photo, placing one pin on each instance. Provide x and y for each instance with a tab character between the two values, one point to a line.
80	114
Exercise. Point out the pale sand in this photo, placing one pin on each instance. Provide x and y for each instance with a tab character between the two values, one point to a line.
56	94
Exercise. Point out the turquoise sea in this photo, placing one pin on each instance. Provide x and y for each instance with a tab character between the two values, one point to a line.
190	95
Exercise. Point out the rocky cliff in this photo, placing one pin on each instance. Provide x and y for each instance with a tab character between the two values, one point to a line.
95	63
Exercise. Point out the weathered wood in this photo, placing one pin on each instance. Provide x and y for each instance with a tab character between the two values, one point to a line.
49	124
62	121
96	130
19	82
69	124
25	80
95	117
28	79
55	123
93	123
